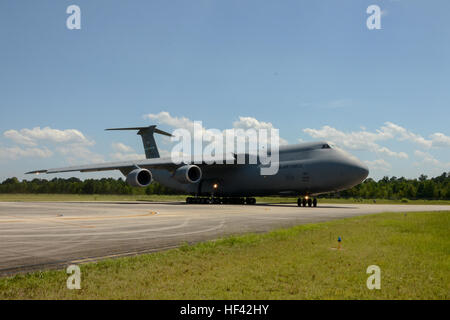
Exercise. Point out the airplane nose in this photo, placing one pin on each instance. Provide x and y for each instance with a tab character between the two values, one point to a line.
354	172
363	171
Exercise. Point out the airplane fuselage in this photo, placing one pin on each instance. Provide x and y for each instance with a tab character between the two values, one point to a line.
304	169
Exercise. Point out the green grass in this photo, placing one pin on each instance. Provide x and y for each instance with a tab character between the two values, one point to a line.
412	250
156	198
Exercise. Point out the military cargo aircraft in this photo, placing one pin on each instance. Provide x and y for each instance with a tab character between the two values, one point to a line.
305	170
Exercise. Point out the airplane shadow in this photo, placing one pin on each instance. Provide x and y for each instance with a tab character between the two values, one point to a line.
182	203
287	205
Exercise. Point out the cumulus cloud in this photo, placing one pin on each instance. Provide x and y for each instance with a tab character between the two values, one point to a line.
378	164
120	147
251	123
174	122
244	123
31	137
392	130
119	156
78	154
366	140
45	142
359	140
440	140
384	150
125	153
427	158
14	153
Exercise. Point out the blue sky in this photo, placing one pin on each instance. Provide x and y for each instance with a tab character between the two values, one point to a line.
309	68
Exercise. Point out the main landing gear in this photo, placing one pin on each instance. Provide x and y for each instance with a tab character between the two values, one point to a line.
218	200
302	202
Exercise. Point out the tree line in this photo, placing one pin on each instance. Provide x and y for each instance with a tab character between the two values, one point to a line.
77	186
385	188
437	188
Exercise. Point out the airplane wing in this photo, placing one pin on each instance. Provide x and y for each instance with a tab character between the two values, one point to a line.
126	166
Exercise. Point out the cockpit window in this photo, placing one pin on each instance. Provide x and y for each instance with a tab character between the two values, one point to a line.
326	146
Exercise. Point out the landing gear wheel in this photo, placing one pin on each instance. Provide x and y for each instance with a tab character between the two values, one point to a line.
250	201
309	202
304	202
299	202
315	202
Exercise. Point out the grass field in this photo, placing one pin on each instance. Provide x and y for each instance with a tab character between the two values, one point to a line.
412	250
156	198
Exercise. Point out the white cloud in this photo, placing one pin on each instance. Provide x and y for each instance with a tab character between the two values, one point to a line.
120	147
197	131
31	137
77	154
384	150
119	156
392	130
244	123
174	122
440	140
360	140
378	164
15	153
70	143
251	123
366	140
428	159
125	153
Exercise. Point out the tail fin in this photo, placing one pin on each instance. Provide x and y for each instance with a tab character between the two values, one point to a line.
151	150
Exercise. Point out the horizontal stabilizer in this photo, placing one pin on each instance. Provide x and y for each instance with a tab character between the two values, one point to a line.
150	128
150	148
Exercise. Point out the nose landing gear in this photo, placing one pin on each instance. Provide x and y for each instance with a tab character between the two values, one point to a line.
303	202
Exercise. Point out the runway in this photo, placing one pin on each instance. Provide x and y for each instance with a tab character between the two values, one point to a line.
43	235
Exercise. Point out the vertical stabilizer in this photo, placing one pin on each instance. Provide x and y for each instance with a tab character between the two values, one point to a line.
148	139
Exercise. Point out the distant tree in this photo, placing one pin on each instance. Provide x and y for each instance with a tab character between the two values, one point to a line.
392	188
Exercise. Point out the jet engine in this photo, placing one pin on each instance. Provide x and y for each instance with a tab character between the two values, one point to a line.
139	178
188	174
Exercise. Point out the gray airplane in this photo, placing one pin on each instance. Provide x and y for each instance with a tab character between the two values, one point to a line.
305	170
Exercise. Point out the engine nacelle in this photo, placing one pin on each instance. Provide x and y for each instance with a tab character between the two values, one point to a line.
188	174
139	178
